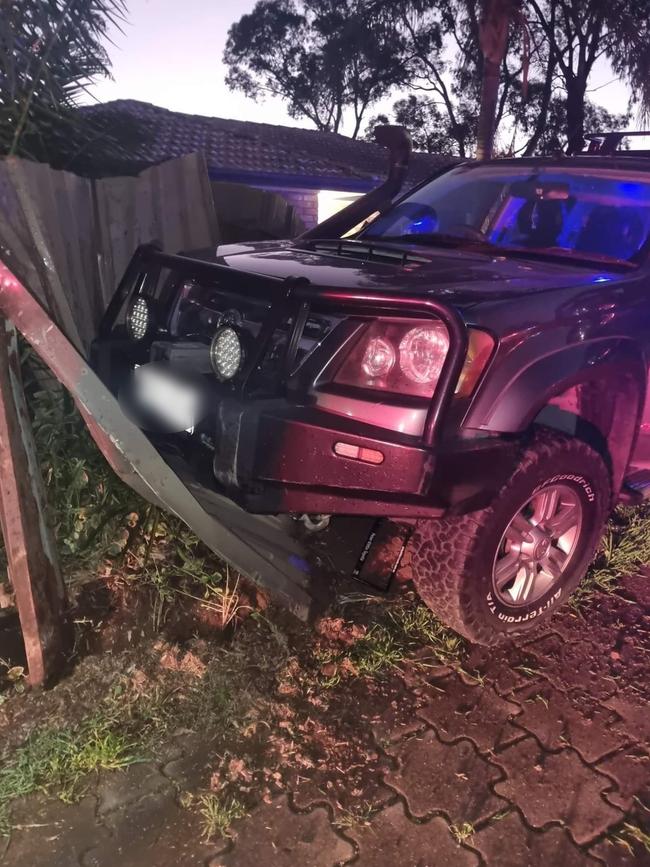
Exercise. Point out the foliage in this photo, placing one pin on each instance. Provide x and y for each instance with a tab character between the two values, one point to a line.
554	135
576	34
321	56
49	53
430	127
462	832
93	512
632	832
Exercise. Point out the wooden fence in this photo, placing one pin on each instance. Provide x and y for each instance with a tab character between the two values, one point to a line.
66	241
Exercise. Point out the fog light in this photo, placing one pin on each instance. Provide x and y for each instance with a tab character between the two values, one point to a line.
137	318
226	353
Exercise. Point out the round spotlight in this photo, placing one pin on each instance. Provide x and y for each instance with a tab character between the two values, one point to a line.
226	353
137	318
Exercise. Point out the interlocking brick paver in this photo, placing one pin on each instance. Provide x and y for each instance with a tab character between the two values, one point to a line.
315	792
459	710
151	830
630	769
506	667
574	663
557	720
51	832
392	838
128	785
635	719
394	724
275	835
450	779
556	787
508	842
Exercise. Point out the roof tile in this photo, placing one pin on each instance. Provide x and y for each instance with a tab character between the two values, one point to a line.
246	146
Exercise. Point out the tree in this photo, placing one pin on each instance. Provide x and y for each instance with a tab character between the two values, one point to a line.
442	40
50	50
429	125
321	56
578	33
554	137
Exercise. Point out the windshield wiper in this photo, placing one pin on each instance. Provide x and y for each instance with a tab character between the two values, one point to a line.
458	241
437	239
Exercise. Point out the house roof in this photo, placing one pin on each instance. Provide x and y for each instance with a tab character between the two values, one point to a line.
241	150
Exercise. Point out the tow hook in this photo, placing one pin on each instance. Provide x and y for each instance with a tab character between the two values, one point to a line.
315	523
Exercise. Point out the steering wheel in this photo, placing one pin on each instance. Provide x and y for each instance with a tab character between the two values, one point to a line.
467	231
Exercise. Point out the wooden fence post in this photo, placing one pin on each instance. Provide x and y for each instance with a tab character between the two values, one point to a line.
31	551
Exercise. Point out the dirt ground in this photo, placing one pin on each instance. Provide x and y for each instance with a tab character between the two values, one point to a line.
376	738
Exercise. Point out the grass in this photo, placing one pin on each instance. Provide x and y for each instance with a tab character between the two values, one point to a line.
631	832
387	644
56	760
125	728
625	547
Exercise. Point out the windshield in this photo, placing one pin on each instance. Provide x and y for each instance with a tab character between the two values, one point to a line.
567	212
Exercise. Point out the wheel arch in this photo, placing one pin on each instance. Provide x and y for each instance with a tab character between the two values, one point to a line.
595	392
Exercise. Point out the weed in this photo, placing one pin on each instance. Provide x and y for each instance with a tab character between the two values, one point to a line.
360	815
418	623
218	814
462	832
632	832
528	671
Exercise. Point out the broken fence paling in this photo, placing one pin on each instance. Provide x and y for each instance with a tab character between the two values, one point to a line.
69	239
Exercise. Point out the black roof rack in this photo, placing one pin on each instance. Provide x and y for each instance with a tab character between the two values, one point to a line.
607	144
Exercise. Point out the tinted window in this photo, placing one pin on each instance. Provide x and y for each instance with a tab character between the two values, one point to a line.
596	214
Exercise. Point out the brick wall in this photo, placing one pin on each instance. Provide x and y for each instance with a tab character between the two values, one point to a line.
304	201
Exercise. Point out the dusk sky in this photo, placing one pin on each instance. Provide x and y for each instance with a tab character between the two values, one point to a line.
169	54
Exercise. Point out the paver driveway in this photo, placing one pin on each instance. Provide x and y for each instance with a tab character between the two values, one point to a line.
537	753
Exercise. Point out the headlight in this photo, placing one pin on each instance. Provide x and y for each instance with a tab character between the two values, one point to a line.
422	352
379	358
138	318
401	356
226	353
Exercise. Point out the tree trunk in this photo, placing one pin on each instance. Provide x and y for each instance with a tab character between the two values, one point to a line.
487	115
575	114
542	118
494	40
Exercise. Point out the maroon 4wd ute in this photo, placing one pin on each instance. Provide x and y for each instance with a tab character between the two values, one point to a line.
469	361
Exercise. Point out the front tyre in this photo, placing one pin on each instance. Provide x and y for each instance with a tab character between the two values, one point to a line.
504	569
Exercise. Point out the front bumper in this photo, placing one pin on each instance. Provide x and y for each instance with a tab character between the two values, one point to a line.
272	458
